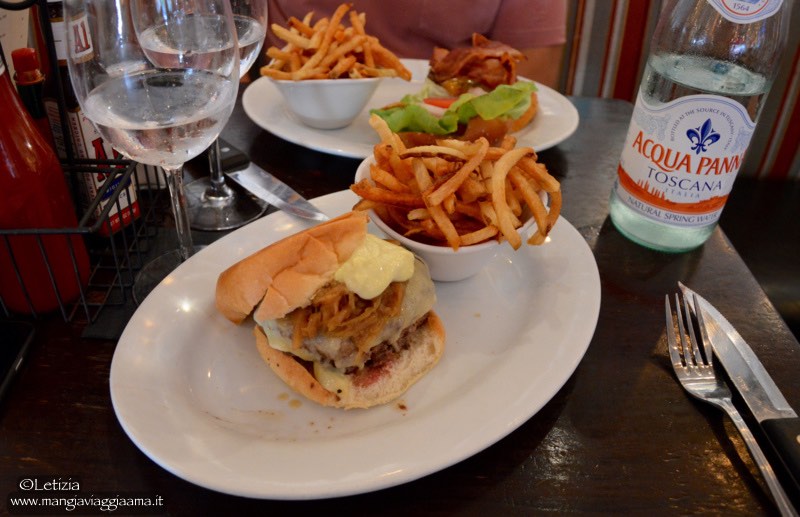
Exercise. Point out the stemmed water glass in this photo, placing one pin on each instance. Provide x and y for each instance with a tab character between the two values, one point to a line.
212	204
159	81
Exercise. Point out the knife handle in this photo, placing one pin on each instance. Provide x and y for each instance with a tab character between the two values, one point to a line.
231	158
784	436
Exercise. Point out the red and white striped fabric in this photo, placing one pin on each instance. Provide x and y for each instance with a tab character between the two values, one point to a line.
605	52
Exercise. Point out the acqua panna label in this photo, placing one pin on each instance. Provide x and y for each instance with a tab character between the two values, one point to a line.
681	158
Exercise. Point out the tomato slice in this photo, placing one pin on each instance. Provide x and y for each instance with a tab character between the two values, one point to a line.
441	102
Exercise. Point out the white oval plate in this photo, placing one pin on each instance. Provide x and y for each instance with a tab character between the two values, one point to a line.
191	391
556	120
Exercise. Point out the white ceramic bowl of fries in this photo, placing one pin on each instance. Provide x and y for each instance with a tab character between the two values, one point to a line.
328	68
445	263
327	103
456	203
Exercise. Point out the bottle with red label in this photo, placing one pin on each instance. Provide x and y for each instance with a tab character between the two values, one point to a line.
38	271
86	142
710	67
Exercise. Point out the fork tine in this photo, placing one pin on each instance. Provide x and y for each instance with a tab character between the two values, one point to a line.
703	332
672	343
687	350
695	344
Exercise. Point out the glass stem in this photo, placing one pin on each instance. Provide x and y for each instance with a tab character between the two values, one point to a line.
217	187
178	199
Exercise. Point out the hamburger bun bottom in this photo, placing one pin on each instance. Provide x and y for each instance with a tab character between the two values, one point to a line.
408	366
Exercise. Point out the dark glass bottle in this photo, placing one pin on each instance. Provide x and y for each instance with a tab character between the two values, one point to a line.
30	85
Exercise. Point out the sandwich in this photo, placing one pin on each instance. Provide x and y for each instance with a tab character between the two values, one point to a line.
470	92
341	316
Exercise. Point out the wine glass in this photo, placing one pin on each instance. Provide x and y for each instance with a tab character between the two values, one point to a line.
159	81
212	204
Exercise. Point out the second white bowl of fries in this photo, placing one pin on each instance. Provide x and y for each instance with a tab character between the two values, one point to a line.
329	67
456	203
327	103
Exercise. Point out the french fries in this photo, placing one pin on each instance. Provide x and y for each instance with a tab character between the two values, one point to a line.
327	49
458	193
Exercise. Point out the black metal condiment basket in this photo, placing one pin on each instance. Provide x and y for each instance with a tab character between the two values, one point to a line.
114	259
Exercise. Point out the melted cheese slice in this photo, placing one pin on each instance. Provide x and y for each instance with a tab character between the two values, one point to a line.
278	342
332	379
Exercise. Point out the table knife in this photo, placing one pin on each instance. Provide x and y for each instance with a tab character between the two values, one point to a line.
250	176
776	417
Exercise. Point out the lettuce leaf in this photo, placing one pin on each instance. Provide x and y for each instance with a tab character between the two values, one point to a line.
413	117
509	101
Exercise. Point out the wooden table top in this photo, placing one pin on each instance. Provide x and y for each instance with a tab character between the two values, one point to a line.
621	436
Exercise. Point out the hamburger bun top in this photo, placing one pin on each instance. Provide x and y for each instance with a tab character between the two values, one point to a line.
286	274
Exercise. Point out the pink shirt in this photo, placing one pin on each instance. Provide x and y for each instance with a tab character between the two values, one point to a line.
411	28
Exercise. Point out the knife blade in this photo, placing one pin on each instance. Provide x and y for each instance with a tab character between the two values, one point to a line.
776	417
265	185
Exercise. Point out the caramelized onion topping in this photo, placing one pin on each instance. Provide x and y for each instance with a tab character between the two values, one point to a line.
338	312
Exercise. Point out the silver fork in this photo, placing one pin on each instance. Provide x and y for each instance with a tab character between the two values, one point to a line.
696	374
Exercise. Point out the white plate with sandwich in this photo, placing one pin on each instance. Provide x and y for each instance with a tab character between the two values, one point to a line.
191	391
555	121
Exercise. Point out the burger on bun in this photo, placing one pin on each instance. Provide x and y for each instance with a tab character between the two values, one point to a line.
469	92
342	317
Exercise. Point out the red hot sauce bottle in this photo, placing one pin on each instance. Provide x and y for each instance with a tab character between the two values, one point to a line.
34	195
